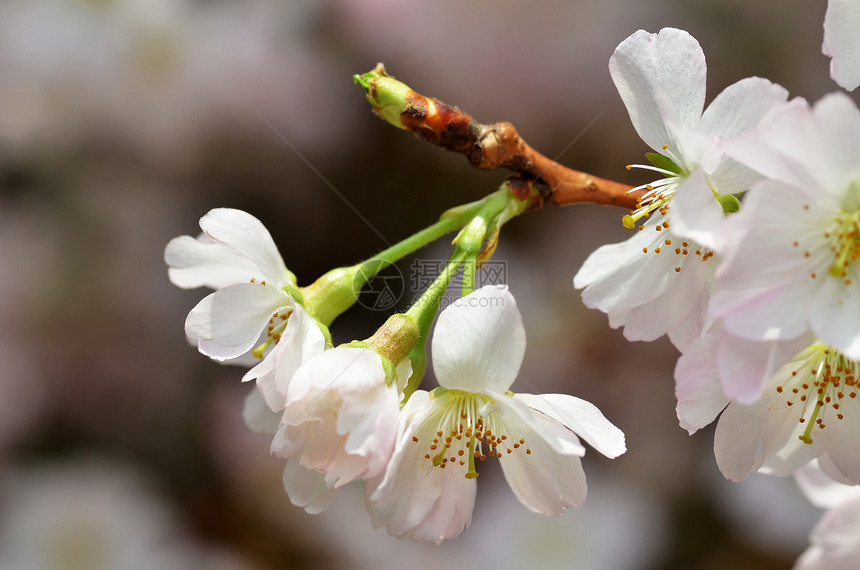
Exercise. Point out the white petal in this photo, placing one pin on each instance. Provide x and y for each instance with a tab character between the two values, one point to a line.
839	438
546	480
580	416
842	41
618	277
306	488
257	414
246	235
479	342
413	499
740	107
229	321
203	263
695	212
648	68
697	384
835	316
686	299
763	434
301	340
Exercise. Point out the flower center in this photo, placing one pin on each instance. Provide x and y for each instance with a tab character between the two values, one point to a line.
463	429
671	244
845	243
657	193
276	326
820	383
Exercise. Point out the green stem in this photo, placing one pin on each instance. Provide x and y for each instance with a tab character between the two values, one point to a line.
424	311
470	268
383	259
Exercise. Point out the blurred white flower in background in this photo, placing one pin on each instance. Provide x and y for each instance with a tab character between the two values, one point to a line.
94	514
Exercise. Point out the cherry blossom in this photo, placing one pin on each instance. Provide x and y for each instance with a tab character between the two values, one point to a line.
339	423
659	281
809	409
790	253
427	491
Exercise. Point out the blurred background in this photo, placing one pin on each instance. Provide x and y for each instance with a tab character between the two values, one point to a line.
124	121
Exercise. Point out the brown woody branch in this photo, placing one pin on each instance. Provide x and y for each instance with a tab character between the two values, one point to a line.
487	146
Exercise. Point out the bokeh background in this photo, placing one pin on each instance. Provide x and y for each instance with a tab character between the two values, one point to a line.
123	121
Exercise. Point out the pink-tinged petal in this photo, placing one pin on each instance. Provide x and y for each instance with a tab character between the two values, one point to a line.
301	340
697	384
479	342
839	438
342	369
835	540
835	316
228	322
664	70
695	212
745	367
370	419
618	277
778	312
837	120
842	41
774	217
803	147
257	414
203	263
821	490
306	488
740	107
246	235
580	416
413	499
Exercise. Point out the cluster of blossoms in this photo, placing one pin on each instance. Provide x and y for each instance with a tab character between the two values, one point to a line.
745	253
747	256
353	412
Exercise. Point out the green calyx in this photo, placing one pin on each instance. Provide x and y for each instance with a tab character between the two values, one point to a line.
331	294
387	95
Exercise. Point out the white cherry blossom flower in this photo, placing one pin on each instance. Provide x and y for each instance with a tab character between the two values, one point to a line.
339	423
251	306
809	409
791	255
842	41
428	489
659	281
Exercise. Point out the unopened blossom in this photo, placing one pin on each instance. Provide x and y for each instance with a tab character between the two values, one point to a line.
427	491
659	280
809	409
842	41
792	254
339	423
